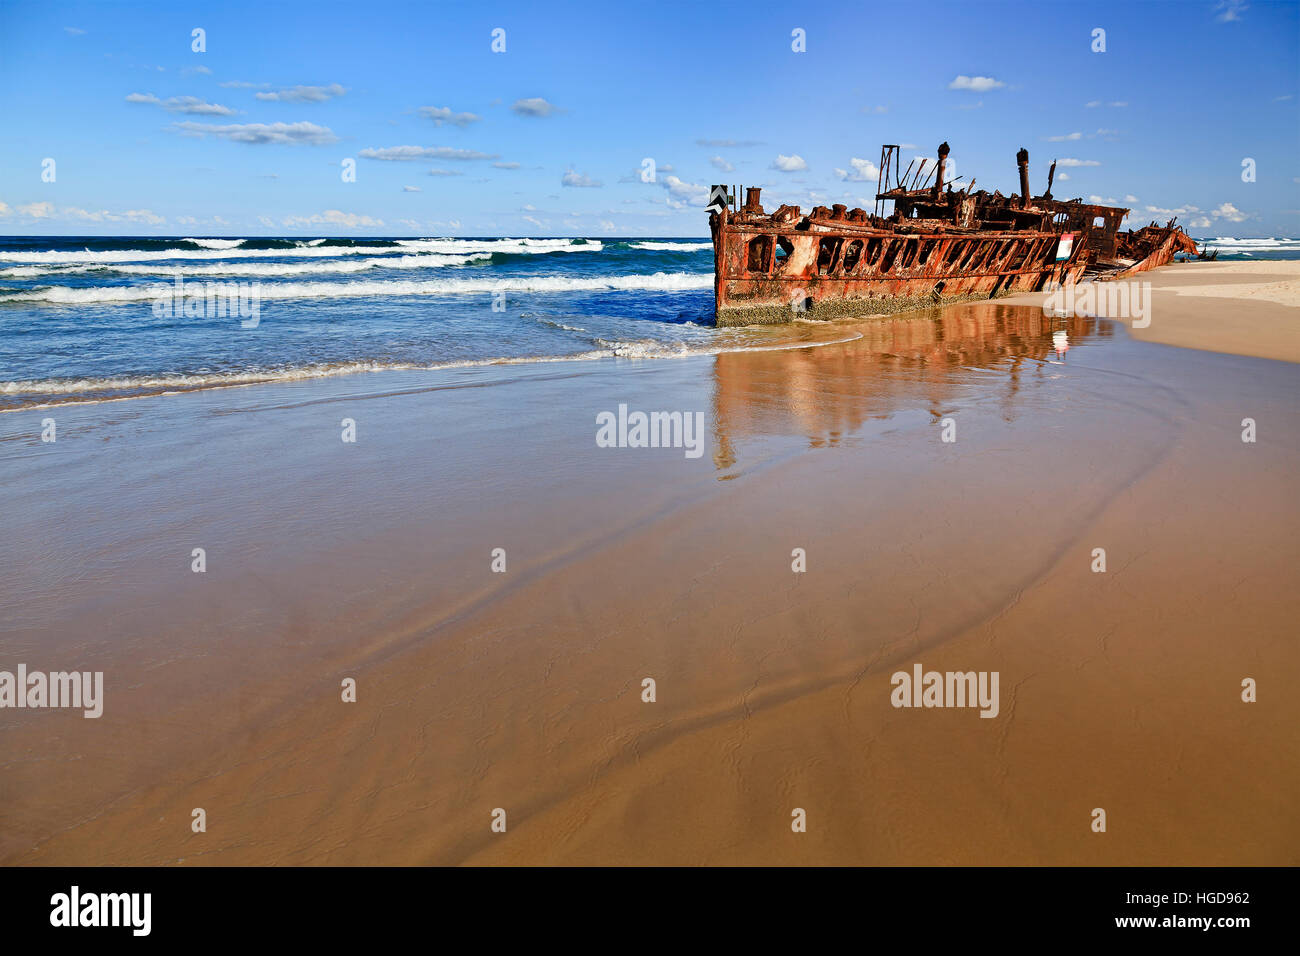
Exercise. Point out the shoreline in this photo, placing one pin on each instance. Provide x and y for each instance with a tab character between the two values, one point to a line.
522	690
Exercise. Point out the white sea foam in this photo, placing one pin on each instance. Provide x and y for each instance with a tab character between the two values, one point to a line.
216	243
326	267
671	246
659	282
445	246
1228	244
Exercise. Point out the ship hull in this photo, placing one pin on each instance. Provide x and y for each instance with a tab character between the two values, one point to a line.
822	271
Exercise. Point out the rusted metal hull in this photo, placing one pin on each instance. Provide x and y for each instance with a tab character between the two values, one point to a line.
831	270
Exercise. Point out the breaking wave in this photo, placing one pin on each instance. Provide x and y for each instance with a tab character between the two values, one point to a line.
658	282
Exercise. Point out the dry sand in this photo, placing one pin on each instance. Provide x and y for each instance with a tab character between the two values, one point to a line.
1245	308
522	690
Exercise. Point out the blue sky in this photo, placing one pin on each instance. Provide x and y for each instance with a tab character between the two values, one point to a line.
549	137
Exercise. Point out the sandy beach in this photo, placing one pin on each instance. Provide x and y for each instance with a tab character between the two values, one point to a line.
522	690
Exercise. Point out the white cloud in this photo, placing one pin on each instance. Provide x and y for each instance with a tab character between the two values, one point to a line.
445	172
304	94
1229	212
409	153
1230	11
333	217
506	165
197	69
182	104
581	180
719	163
535	221
1130	198
976	84
534	106
261	133
789	164
1068	161
1202	223
37	210
243	85
445	114
680	192
411	189
860	171
1062	177
1068	137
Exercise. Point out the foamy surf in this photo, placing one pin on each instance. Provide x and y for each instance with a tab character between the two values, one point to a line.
111	295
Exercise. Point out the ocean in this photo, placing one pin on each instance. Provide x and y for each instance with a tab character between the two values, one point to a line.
87	319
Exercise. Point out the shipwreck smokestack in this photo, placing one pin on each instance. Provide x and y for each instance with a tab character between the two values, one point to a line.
1022	160
943	162
751	199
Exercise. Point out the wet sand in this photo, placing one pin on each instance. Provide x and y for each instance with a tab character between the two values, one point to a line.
523	690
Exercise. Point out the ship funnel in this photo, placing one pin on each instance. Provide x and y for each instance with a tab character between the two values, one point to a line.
943	162
1022	160
751	199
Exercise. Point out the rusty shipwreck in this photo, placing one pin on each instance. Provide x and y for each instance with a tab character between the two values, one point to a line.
938	244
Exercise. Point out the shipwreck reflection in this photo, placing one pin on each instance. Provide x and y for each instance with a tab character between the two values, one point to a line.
900	362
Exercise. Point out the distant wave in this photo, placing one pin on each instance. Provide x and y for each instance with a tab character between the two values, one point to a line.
659	282
671	246
1228	243
215	243
325	248
328	267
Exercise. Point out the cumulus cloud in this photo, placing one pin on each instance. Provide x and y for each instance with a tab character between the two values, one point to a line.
303	94
293	134
1069	161
182	104
411	189
976	84
581	180
1068	137
681	192
789	164
719	163
333	217
445	114
409	153
534	106
37	210
1229	212
1202	223
859	171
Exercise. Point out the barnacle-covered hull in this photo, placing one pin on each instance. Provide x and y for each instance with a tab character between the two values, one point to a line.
935	247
